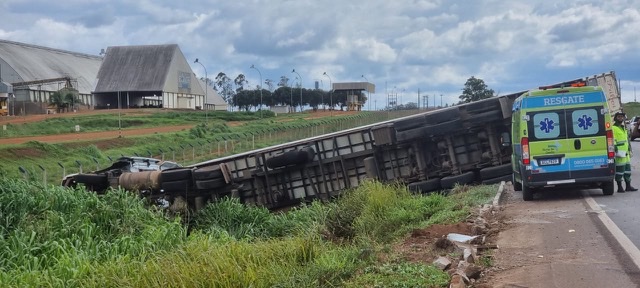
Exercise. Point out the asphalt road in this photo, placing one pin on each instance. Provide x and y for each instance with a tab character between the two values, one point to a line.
624	208
571	238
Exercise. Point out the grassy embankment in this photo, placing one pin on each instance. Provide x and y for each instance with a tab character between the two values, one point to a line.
52	237
200	143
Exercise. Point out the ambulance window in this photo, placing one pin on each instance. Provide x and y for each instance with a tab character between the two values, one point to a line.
546	125
585	122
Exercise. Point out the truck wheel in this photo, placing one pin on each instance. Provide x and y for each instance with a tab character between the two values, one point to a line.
205	173
464	178
425	186
496	180
608	188
93	182
517	186
171	175
527	193
176	186
210	184
91	179
291	158
495	171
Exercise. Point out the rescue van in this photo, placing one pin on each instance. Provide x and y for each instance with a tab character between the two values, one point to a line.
562	137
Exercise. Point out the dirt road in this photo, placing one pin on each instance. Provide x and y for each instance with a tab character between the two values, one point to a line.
85	136
88	136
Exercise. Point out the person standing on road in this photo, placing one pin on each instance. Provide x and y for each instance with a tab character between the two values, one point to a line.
623	153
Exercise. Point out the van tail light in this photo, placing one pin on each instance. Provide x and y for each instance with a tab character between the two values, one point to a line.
524	143
611	150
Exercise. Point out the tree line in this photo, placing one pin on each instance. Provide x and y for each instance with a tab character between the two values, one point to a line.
235	94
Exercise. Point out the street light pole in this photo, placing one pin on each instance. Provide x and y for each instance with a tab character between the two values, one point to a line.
254	67
294	71
206	84
368	93
330	93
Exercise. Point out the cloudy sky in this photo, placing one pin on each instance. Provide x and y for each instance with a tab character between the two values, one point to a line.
404	46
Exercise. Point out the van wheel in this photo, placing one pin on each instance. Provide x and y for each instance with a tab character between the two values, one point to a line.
608	188
517	186
527	193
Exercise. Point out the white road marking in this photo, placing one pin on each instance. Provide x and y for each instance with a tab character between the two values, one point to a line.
622	239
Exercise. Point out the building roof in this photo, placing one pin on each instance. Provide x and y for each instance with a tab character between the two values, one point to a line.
25	62
135	68
213	97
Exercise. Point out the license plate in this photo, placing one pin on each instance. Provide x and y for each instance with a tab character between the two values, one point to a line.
550	161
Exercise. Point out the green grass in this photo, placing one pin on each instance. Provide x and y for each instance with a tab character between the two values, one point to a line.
631	109
54	237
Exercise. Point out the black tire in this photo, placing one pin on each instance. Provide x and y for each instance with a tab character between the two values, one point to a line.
204	173
425	186
608	188
496	171
496	180
210	184
93	182
91	179
527	193
291	158
517	186
176	186
171	175
464	178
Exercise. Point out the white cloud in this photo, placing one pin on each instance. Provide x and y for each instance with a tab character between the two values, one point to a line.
433	45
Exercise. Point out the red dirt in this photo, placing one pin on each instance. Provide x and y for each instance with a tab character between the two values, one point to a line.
419	246
92	136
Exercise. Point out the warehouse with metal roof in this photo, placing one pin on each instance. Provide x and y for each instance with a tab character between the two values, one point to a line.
151	76
126	77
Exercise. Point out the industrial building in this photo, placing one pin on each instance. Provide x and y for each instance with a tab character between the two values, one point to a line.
154	76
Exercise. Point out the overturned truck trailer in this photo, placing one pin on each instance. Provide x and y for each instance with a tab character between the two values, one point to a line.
429	151
434	150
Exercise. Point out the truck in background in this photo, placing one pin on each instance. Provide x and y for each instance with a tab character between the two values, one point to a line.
430	151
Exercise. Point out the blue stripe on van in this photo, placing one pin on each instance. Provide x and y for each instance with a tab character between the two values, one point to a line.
575	164
559	100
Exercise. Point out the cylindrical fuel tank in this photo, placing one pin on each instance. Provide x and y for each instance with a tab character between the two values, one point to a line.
144	180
